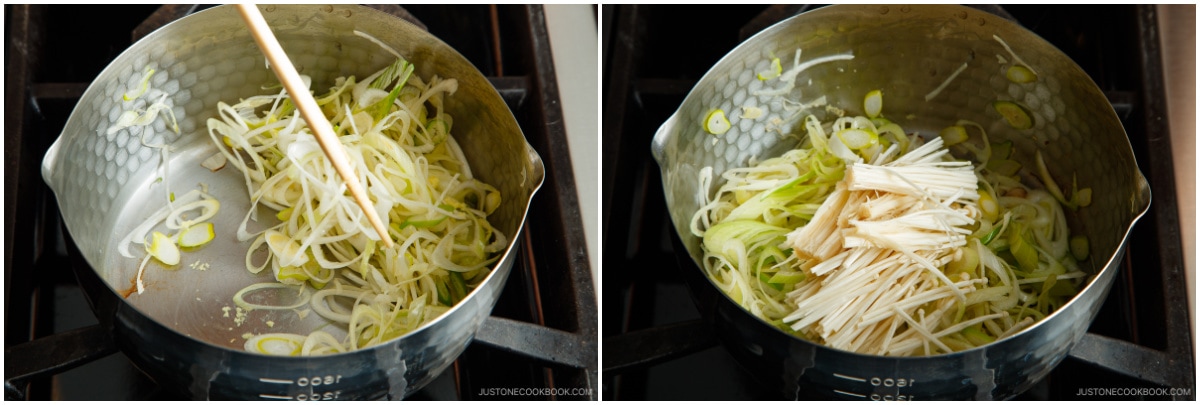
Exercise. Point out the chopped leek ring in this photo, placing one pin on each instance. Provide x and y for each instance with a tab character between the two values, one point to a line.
776	70
1079	247
953	135
163	248
285	248
857	139
873	103
196	235
396	130
1002	150
752	113
1004	166
1084	197
214	163
301	293
1015	114
1020	74
142	88
716	123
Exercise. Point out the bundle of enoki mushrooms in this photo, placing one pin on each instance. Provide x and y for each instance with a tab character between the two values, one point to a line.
876	246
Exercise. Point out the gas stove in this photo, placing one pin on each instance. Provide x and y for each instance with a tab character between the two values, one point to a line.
539	343
657	347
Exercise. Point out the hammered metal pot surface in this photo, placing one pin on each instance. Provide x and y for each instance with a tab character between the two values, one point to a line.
178	331
908	52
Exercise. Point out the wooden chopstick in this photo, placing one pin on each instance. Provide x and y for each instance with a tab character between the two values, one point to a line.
311	112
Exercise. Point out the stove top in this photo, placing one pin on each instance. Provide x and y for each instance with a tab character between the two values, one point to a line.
656	345
539	343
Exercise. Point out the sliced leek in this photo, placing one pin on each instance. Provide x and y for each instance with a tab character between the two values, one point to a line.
873	103
196	235
400	139
716	123
869	240
1020	74
1015	114
163	249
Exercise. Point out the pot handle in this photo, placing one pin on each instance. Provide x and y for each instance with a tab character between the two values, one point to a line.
49	163
664	134
538	171
51	355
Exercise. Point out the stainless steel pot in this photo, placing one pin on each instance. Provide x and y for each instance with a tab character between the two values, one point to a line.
177	331
908	52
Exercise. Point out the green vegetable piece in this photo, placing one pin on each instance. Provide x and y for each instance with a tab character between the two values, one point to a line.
968	263
857	139
991	235
196	235
1080	247
438	130
383	107
977	336
1084	197
716	123
444	294
953	135
163	248
458	286
873	103
1023	250
284	214
1016	115
291	275
1002	150
776	70
767	280
142	88
786	277
1004	166
421	223
1020	74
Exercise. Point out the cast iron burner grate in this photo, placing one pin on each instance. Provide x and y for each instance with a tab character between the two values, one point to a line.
542	333
657	348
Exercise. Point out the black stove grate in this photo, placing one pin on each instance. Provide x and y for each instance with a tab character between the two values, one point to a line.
541	336
657	347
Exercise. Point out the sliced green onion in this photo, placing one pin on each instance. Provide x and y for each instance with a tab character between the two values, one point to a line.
142	88
774	71
953	135
458	286
873	103
1020	74
786	277
215	162
285	249
1015	114
857	139
396	129
196	235
986	239
1080	247
752	113
301	293
277	344
163	248
1022	249
716	123
1004	166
